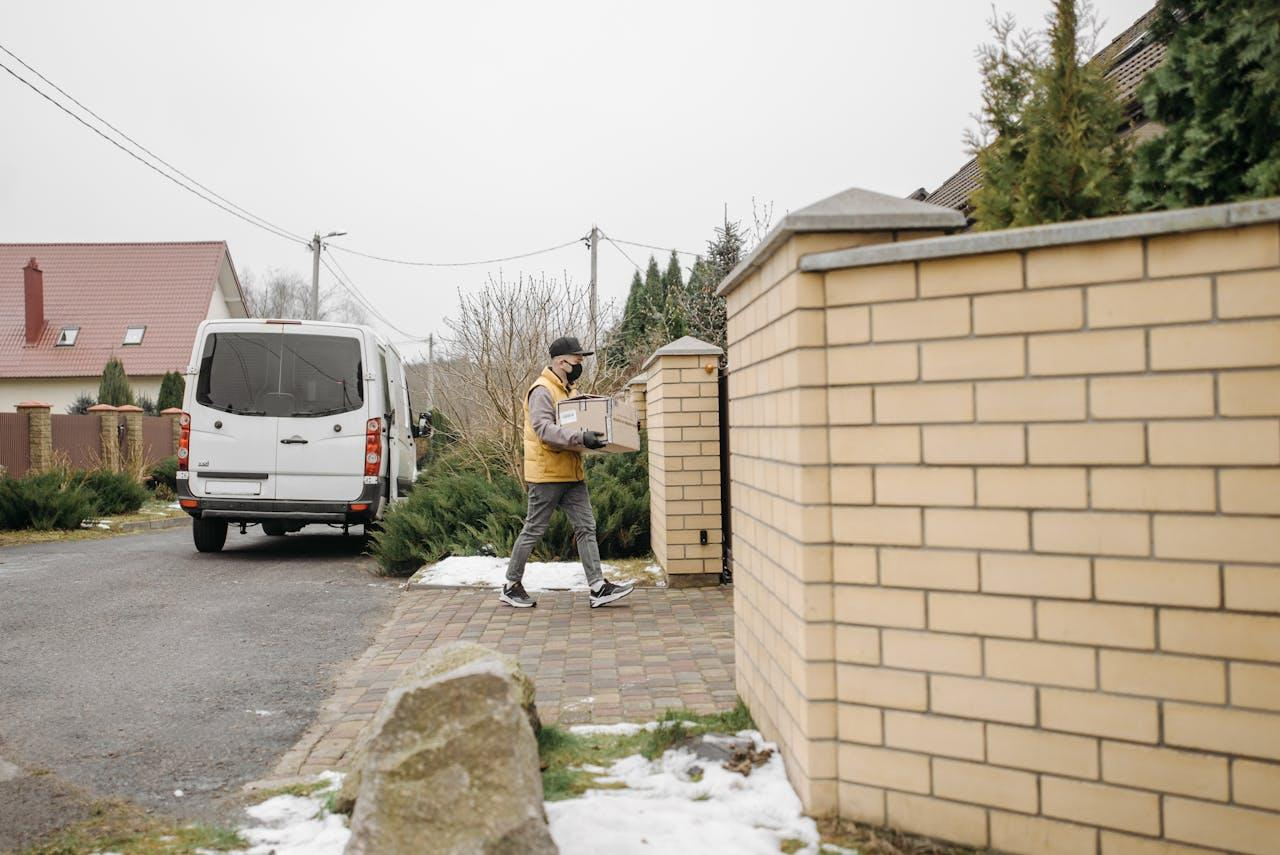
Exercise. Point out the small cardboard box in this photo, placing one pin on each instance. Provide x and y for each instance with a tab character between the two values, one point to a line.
615	420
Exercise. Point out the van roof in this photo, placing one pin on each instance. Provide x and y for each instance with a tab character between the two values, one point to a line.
365	328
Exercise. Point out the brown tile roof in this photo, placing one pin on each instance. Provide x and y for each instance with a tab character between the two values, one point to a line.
1127	58
103	288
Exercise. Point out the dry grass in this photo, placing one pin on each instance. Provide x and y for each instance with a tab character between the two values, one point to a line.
870	840
634	570
120	826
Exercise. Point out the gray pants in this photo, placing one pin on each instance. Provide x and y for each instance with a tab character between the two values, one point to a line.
543	501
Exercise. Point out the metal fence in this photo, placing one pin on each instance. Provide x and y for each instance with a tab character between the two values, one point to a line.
77	438
14	450
157	438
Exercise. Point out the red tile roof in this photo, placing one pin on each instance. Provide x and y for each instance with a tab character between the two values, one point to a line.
103	288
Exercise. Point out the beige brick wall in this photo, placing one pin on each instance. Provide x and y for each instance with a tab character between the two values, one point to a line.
680	406
1007	539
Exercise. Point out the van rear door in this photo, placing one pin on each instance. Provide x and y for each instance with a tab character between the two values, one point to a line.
233	437
321	411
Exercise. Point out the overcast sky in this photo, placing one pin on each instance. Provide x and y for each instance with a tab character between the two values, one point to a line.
458	131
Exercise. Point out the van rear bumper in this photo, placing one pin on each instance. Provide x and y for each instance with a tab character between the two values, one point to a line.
295	510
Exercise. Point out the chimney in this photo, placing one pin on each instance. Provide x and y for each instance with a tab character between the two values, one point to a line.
33	288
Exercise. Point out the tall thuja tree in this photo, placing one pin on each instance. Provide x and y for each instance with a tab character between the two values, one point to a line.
1078	162
1051	126
172	387
1218	95
673	312
113	388
705	313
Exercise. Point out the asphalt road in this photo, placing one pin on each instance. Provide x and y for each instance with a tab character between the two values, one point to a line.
134	666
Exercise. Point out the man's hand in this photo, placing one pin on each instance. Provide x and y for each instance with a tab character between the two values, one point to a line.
591	439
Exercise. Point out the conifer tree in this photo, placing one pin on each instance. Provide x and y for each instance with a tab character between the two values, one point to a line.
114	388
673	311
1058	153
172	388
1218	95
653	286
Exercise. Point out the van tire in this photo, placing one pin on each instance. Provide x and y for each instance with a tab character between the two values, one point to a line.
274	529
209	535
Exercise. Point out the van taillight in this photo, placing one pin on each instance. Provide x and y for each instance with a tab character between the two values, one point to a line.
184	441
372	447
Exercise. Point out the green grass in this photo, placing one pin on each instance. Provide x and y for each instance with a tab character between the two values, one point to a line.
564	753
309	788
118	826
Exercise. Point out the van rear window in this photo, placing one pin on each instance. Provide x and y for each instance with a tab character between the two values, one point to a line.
273	374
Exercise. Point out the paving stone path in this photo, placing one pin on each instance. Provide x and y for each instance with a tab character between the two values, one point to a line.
657	649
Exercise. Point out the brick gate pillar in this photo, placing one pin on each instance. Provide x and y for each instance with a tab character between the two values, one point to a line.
682	412
39	433
132	431
108	435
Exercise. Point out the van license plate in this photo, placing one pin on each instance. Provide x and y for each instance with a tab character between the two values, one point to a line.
220	487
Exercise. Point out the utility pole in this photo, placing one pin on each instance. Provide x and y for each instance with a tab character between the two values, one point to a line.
431	370
313	309
595	242
317	244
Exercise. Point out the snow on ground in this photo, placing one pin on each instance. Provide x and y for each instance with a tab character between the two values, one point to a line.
485	571
677	803
663	809
297	825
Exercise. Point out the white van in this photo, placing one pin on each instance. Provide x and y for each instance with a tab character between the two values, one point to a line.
287	423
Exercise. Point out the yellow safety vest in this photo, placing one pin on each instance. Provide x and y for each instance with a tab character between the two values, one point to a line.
546	464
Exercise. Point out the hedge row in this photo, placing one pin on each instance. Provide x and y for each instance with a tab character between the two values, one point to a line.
63	498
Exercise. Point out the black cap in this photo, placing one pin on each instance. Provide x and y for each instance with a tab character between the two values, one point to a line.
567	346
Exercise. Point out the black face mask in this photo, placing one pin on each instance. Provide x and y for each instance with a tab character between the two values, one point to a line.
574	372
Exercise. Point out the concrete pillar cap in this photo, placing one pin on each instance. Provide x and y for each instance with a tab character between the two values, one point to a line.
33	405
171	411
129	408
101	408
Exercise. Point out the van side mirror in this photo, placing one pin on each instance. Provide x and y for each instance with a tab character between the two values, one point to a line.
423	427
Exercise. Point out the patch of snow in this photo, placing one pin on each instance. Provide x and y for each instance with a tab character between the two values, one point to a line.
261	712
487	571
662	809
179	793
297	825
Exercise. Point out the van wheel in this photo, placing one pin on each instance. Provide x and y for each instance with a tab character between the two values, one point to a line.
274	529
209	535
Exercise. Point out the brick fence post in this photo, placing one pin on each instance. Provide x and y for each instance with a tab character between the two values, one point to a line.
682	413
173	413
108	435
636	388
132	431
39	433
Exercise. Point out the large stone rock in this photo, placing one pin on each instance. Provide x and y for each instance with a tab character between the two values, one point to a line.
449	763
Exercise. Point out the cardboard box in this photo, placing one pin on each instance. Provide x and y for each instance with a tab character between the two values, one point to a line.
614	419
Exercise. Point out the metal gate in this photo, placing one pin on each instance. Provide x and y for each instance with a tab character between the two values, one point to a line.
726	514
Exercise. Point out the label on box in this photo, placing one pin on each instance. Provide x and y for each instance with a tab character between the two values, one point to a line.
568	416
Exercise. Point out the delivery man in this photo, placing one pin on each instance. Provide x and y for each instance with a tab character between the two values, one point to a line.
553	471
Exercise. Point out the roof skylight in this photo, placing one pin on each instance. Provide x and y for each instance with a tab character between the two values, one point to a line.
133	335
67	337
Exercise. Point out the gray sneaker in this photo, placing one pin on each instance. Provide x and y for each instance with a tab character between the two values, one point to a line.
609	593
515	596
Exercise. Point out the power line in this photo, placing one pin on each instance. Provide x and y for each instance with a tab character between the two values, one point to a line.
411	263
658	248
246	216
345	280
622	251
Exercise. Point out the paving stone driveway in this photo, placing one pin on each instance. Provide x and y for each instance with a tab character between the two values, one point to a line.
657	649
